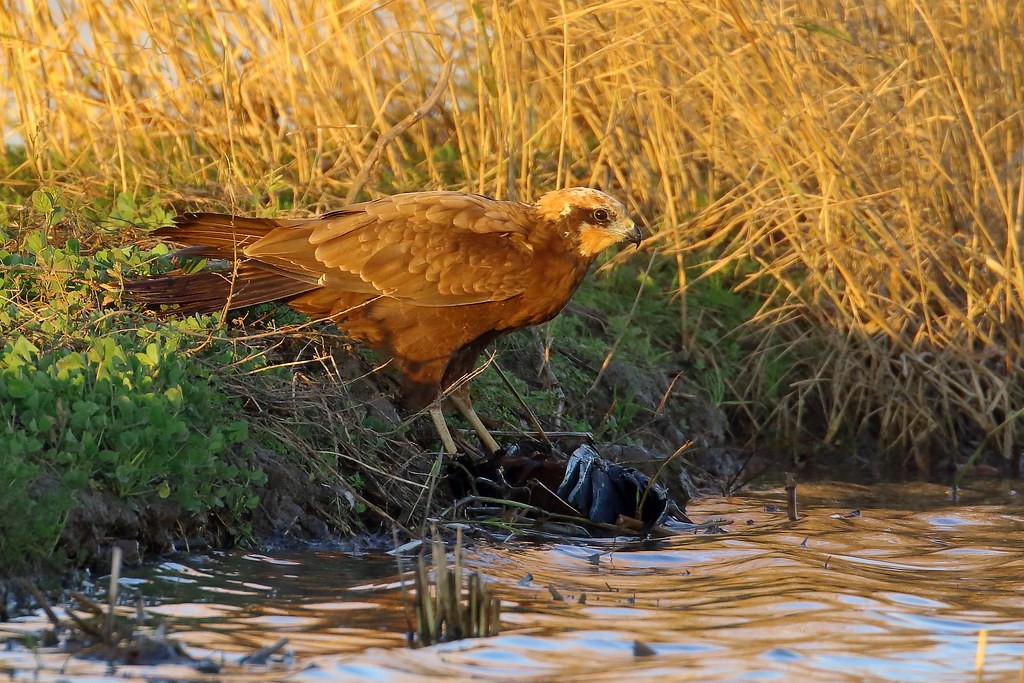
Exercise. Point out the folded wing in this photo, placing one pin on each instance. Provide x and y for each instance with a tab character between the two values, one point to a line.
426	248
431	249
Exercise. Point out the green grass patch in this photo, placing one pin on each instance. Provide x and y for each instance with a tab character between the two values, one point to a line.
95	398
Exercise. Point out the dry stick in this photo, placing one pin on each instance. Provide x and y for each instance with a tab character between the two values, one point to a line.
979	653
84	602
87	603
650	482
424	607
460	627
115	575
791	497
263	654
494	605
385	139
474	605
442	586
85	626
589	436
41	600
485	606
403	585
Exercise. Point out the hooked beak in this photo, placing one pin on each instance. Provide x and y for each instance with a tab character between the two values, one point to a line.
635	236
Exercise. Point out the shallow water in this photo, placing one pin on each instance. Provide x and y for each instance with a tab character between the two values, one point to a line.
898	592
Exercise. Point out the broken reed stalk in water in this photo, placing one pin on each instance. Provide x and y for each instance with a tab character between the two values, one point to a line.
441	615
791	497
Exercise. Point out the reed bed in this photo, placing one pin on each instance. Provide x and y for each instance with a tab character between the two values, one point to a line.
854	165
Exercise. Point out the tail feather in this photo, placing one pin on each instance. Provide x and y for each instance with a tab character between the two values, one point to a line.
219	236
224	234
209	291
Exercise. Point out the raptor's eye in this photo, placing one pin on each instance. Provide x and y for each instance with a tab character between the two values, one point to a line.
601	215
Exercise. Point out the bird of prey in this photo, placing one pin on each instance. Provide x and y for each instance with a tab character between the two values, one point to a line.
427	278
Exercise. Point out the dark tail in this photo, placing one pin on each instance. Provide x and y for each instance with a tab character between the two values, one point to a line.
216	236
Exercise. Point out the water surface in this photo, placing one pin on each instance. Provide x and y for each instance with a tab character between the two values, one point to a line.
884	583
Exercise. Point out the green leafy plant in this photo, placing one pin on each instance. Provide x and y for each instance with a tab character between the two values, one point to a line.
133	422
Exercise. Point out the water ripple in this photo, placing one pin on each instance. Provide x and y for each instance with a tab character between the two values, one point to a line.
898	592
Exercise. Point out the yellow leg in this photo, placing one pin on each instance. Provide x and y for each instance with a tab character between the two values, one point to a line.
466	408
442	429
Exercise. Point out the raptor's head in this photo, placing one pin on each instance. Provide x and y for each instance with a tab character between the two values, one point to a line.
599	220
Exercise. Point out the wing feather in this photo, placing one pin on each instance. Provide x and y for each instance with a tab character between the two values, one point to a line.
426	248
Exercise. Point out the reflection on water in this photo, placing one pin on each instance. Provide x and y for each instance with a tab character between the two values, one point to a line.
897	593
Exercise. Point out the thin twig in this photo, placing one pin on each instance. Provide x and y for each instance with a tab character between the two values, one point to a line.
522	402
385	139
629	322
41	600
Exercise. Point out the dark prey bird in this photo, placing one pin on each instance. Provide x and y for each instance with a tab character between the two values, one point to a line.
427	278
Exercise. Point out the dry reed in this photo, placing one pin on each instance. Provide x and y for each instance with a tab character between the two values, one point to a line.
855	163
455	604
